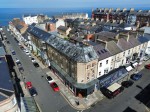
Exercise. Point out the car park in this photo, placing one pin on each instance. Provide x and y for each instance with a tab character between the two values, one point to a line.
36	64
32	91
147	66
136	76
127	84
112	91
49	79
54	86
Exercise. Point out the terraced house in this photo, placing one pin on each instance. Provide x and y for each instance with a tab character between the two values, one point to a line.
90	64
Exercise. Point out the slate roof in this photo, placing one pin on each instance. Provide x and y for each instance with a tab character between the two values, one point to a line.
63	28
123	44
101	52
134	41
19	27
6	85
113	48
40	34
142	39
72	51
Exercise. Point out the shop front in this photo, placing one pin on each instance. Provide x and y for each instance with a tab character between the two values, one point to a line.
112	77
78	89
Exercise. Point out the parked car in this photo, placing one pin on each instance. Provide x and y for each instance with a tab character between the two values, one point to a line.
36	64
136	76
32	91
54	86
147	66
33	60
49	79
18	62
112	91
28	84
27	52
21	70
13	52
21	47
127	84
8	42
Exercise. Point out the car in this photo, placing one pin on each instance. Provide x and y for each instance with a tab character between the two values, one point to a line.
18	62
54	86
109	94
21	47
32	91
21	70
27	52
147	66
33	60
36	64
49	79
8	42
136	76
146	58
127	84
29	55
13	52
16	40
28	84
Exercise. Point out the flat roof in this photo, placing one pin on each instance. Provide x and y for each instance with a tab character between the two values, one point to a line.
114	87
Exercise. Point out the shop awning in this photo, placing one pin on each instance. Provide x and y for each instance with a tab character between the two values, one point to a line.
114	87
129	68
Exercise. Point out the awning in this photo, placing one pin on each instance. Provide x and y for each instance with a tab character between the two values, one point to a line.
135	64
114	87
129	68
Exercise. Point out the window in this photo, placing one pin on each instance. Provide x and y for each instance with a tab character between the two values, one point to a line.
123	53
122	61
106	61
128	51
100	65
105	71
99	73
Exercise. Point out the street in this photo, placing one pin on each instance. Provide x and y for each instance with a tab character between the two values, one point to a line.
47	99
126	99
50	101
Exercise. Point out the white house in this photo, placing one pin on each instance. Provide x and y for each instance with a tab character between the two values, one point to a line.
29	19
60	22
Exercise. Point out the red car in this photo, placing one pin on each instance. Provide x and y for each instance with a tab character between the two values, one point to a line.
147	66
28	85
54	86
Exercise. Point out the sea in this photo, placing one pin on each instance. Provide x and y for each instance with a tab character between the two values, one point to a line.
7	14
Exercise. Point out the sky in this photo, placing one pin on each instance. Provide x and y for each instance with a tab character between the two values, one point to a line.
73	3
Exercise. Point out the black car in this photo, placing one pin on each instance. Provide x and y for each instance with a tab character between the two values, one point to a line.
32	91
21	70
110	94
36	64
127	84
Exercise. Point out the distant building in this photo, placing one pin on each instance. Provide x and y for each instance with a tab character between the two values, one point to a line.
72	16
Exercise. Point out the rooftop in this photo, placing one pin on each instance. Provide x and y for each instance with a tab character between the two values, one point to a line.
6	85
